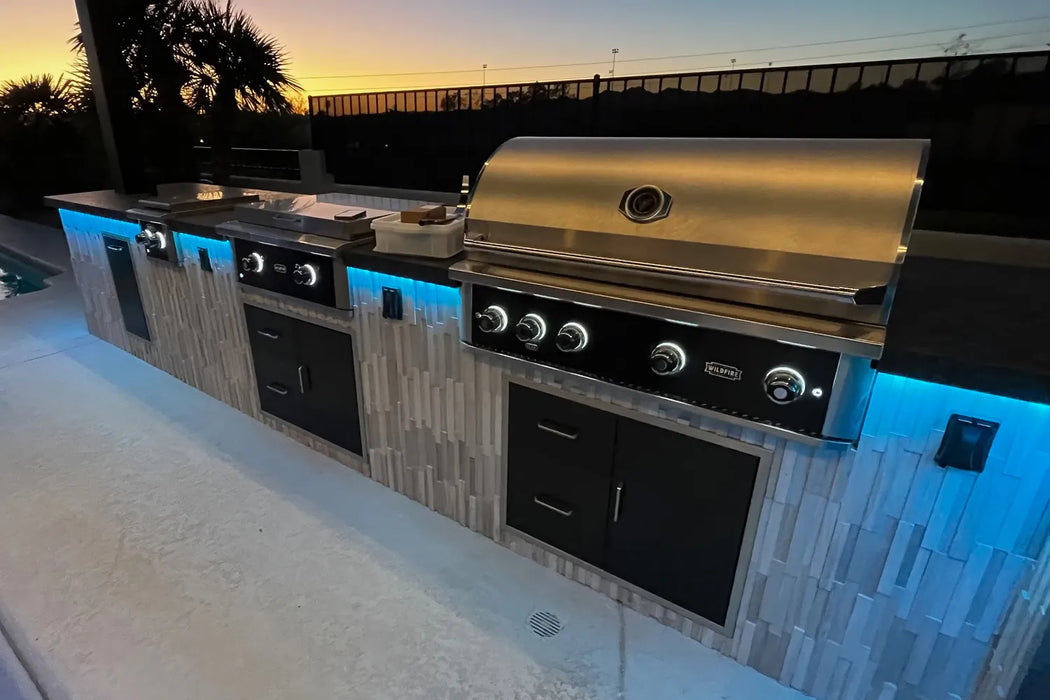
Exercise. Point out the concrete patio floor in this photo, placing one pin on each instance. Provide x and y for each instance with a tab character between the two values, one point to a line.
159	544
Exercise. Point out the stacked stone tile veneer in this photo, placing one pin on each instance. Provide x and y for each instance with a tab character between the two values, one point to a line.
874	574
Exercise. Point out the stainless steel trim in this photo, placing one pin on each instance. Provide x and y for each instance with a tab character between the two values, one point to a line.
277	389
747	543
530	367
850	395
341	282
247	289
308	242
616	504
302	384
272	335
554	430
540	502
466	303
851	338
845	295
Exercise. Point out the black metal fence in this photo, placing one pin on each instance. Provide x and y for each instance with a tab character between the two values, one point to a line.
988	117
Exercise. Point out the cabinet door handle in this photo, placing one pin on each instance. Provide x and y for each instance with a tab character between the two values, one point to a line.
550	506
278	389
553	428
616	503
267	333
304	379
115	248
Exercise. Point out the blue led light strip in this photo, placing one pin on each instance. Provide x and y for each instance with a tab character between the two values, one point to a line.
424	295
220	252
900	405
80	224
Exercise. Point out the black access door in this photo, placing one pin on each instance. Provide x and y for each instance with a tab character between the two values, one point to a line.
326	368
683	506
559	463
118	251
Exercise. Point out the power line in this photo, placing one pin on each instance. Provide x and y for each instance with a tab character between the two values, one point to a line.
694	55
737	66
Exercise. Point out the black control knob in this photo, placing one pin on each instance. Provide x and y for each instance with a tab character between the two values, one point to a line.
252	263
305	274
492	320
784	385
667	358
531	328
571	338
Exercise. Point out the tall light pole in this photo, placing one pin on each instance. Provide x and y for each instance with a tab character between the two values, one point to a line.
484	67
612	73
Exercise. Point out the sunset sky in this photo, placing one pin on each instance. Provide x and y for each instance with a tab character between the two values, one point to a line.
445	43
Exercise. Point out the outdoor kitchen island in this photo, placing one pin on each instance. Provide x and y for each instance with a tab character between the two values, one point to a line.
866	571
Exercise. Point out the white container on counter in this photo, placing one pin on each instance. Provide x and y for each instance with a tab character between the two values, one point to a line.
430	241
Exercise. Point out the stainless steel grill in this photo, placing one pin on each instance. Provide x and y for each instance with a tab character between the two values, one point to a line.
795	241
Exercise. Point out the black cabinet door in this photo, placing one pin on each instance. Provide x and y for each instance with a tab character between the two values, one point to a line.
118	251
559	460
326	370
679	506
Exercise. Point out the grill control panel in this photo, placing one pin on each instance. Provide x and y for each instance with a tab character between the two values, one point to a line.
306	276
774	383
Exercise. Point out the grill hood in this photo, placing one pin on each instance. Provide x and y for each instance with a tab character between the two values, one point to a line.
813	226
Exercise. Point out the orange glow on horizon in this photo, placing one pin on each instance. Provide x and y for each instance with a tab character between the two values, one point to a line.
397	37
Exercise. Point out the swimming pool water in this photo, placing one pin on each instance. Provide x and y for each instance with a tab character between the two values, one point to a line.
17	277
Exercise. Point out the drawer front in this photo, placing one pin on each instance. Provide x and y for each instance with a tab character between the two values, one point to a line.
565	509
279	391
559	465
568	435
271	335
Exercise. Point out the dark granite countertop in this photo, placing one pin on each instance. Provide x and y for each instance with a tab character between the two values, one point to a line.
970	310
432	270
114	205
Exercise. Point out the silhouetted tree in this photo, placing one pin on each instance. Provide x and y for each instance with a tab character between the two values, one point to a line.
36	100
232	65
44	145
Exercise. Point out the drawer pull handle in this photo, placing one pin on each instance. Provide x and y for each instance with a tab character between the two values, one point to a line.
278	389
616	503
550	506
115	248
557	429
267	333
304	379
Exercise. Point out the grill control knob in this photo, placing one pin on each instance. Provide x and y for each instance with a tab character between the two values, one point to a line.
252	263
667	358
784	385
151	239
571	338
493	320
305	274
531	328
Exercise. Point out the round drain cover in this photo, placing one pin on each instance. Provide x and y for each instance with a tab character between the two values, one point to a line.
545	624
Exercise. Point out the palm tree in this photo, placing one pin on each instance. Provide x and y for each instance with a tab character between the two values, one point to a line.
36	100
152	36
232	65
